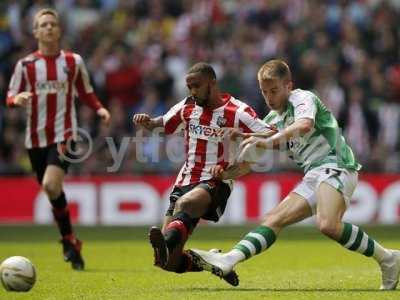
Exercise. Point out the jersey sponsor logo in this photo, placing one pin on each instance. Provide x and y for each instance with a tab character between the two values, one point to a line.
51	87
205	132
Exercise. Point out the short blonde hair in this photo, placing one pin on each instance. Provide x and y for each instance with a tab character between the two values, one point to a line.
44	11
274	69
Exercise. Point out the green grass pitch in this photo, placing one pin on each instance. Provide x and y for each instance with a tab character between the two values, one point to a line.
301	265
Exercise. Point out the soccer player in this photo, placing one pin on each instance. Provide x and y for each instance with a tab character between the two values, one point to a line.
204	116
45	83
312	139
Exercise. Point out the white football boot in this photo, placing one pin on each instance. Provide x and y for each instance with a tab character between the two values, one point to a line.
390	271
212	261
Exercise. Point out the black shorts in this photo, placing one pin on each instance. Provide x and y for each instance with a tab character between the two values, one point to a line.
42	157
218	190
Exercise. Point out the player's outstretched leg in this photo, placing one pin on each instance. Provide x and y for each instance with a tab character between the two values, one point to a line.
71	245
354	239
330	209
292	209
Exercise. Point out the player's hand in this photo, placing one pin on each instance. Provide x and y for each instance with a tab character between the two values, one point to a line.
217	172
255	142
104	114
141	119
247	148
235	134
22	99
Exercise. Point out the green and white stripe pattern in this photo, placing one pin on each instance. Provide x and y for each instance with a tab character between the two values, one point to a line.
353	238
256	241
322	145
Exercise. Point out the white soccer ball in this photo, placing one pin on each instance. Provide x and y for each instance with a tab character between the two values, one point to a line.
17	273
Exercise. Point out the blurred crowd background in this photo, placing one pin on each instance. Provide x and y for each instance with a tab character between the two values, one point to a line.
137	53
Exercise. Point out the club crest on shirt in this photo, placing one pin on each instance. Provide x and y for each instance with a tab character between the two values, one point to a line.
195	114
221	121
66	70
29	60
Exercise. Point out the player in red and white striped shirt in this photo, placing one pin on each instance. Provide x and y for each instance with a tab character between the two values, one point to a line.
205	117
46	83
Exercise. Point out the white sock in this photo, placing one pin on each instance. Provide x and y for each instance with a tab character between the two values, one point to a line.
234	256
380	253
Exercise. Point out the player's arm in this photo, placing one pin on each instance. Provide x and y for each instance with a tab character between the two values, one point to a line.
304	116
17	95
232	172
298	128
248	147
251	126
86	93
147	122
172	121
237	134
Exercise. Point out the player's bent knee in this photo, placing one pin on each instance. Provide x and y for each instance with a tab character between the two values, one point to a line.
329	228
52	189
184	205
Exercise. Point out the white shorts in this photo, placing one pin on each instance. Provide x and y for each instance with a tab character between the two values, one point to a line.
344	181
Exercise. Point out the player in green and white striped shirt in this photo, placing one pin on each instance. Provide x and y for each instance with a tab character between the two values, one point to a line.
311	137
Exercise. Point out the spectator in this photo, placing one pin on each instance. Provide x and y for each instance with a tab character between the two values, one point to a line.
137	51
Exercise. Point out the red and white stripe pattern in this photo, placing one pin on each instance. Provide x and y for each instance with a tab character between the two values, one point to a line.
204	131
54	82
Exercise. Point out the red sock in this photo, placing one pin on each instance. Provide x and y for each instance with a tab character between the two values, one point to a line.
175	233
63	220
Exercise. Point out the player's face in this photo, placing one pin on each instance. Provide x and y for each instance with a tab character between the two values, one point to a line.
275	92
199	87
48	29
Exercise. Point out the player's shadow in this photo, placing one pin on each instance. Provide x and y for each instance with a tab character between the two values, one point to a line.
287	290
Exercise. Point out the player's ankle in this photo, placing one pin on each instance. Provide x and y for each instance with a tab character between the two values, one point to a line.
69	237
385	256
233	257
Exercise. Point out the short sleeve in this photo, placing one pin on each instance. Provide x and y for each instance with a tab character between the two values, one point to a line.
249	122
172	120
305	108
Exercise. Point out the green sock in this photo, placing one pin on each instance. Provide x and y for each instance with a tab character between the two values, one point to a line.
256	241
354	239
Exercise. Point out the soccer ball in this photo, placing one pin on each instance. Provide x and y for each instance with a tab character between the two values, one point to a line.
17	273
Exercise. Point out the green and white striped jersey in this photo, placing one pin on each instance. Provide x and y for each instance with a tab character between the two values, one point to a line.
324	144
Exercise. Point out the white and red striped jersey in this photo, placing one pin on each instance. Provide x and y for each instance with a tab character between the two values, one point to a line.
54	81
204	131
